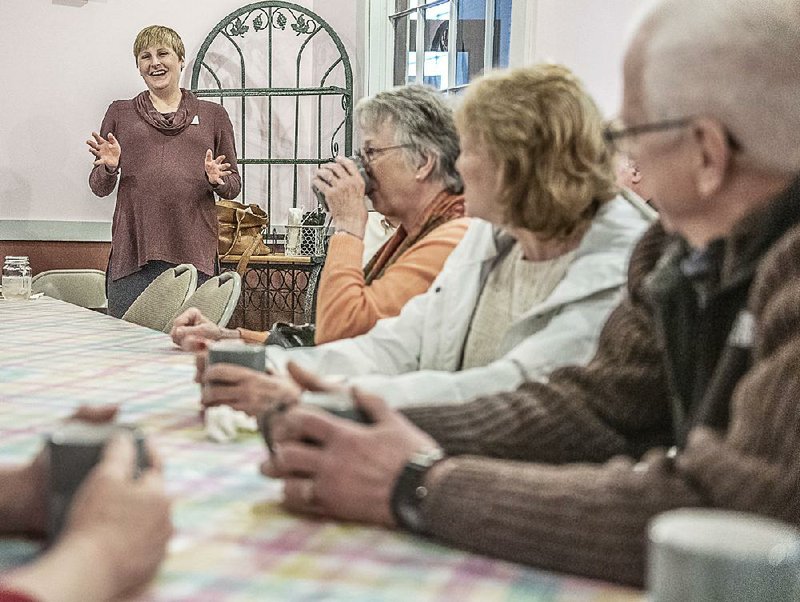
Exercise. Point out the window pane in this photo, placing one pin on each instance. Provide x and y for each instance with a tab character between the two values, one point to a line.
437	24
470	40
502	32
401	5
405	47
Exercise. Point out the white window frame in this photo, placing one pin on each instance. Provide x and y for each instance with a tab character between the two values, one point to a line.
379	40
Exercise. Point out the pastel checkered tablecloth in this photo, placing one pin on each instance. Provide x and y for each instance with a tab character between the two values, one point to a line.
232	541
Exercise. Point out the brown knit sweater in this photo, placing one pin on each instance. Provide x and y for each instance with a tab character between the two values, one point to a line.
589	516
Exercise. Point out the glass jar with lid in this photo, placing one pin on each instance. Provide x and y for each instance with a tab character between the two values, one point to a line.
16	279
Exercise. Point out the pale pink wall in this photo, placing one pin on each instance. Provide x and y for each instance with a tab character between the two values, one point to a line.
62	65
588	36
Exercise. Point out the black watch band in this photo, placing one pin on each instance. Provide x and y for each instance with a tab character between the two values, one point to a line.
409	490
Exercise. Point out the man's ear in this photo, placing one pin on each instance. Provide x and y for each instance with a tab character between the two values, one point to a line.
714	155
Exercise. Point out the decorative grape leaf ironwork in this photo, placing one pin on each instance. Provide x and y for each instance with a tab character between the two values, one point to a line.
238	28
276	16
302	26
277	19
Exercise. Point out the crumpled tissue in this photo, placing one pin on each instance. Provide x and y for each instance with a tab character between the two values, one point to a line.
223	424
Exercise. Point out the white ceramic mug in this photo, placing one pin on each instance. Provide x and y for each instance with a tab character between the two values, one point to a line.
715	555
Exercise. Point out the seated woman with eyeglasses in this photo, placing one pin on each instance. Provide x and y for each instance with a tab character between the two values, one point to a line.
410	147
529	287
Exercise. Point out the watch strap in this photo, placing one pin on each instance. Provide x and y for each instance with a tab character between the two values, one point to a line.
410	491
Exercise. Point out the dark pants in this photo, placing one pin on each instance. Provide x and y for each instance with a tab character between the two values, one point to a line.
122	293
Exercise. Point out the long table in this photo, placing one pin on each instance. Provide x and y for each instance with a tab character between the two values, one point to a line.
233	541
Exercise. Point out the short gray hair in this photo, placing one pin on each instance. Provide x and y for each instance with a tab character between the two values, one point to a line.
423	120
735	60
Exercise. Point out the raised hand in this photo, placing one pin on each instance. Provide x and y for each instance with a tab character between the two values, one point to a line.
216	169
106	151
343	188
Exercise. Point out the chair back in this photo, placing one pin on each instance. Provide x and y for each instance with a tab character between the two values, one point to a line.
216	298
82	287
158	304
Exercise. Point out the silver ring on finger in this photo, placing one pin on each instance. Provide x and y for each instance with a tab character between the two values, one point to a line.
307	493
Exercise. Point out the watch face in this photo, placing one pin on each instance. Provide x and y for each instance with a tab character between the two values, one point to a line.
410	514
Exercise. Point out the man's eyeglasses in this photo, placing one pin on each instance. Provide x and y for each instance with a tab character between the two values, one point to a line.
370	153
614	134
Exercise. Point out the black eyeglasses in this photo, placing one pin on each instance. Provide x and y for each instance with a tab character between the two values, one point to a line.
370	153
612	135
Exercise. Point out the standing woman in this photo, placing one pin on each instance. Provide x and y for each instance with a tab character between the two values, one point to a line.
171	153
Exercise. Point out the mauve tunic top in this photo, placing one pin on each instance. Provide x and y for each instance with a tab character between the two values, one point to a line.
165	204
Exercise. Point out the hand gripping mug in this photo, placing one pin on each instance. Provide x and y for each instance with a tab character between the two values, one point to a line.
236	351
74	449
362	171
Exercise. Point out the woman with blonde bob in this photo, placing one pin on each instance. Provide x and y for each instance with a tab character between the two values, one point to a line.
532	282
171	154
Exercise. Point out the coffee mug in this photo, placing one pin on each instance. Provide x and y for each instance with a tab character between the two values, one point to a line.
717	555
361	168
339	403
74	450
237	352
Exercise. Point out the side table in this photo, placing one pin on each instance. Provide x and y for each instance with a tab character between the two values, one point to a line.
275	288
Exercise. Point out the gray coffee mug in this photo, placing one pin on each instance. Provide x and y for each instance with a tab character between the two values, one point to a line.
74	450
716	555
239	353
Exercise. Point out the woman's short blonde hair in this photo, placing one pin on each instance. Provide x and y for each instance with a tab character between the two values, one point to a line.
158	35
546	135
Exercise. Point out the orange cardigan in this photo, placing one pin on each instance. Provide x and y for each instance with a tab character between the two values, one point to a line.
348	307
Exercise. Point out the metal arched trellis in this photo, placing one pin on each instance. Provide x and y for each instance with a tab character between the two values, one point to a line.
242	58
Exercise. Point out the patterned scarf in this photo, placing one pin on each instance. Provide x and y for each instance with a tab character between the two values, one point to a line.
173	123
445	206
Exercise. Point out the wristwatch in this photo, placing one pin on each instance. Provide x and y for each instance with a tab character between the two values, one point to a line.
409	490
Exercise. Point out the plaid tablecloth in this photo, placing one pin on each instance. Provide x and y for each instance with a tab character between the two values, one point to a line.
233	541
